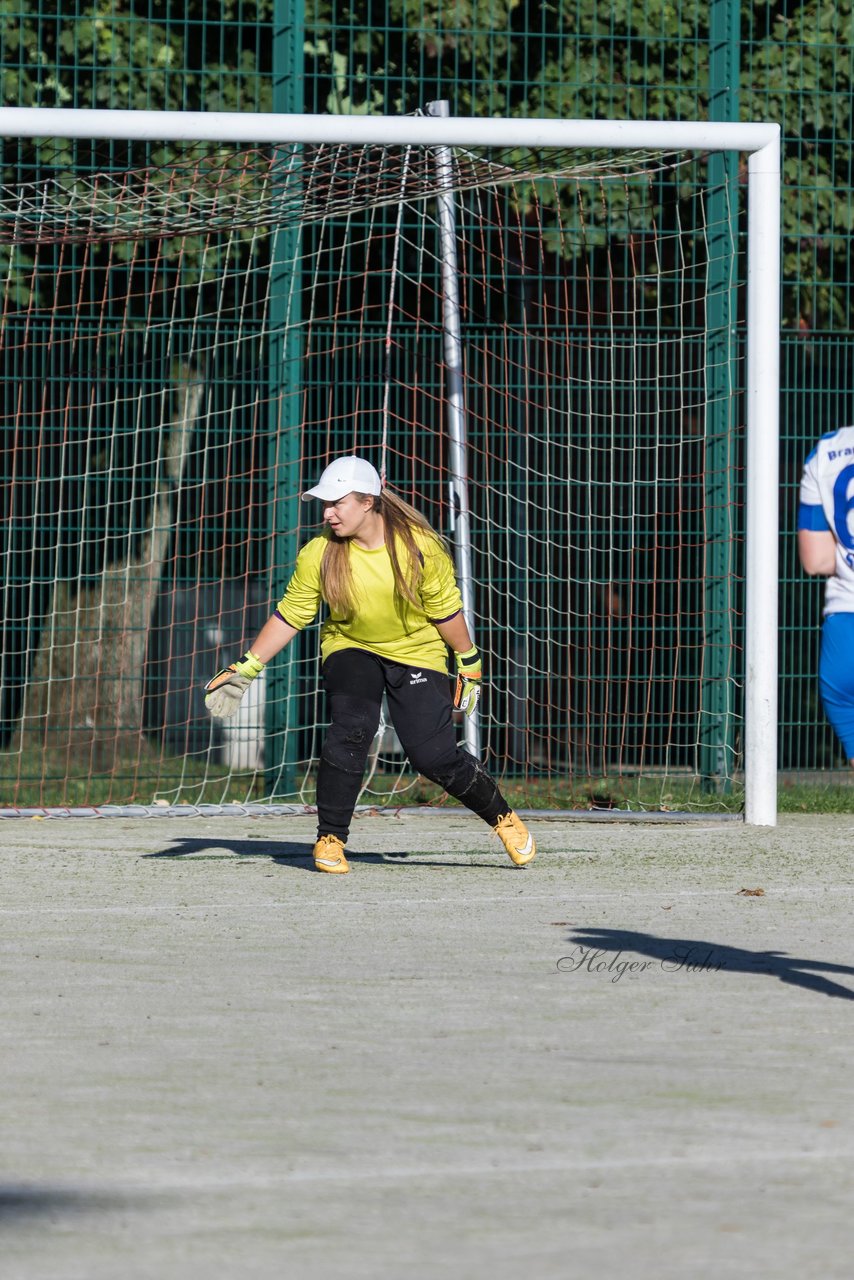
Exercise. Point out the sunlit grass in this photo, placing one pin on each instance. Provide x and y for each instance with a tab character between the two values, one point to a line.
57	779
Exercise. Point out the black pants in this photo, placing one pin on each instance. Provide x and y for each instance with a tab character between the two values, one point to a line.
420	705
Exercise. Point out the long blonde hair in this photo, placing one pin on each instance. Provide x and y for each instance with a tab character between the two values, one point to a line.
399	522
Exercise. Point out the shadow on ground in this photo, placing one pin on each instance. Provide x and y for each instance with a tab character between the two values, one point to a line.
688	955
20	1204
286	853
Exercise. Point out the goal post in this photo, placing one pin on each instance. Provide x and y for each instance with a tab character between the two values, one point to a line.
192	201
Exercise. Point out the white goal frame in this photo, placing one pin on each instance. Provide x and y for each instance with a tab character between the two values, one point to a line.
760	142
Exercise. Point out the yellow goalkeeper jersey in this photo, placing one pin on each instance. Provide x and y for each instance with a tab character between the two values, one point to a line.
383	623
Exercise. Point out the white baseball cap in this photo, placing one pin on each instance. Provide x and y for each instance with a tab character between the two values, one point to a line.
343	476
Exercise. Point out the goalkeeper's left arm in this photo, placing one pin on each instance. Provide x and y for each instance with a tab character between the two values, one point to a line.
467	661
224	692
469	680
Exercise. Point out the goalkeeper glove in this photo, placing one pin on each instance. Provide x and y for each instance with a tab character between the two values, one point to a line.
469	677
224	692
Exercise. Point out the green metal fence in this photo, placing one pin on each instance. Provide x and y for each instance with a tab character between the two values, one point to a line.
788	62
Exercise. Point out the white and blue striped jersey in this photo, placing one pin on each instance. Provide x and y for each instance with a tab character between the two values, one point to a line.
827	503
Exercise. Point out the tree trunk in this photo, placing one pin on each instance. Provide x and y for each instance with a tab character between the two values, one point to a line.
85	694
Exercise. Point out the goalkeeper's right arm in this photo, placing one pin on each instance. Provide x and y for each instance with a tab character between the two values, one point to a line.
225	690
223	693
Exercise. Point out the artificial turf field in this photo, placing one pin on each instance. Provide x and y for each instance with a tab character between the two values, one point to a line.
623	1060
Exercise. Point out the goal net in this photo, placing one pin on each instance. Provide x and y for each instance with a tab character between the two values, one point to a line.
191	330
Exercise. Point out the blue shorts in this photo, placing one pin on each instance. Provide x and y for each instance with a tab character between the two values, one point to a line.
836	676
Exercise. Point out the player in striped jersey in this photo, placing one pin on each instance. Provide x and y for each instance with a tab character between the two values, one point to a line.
826	548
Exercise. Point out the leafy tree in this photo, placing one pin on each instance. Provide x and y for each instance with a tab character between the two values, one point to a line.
487	57
621	59
137	54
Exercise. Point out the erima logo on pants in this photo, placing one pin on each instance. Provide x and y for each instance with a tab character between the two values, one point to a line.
415	677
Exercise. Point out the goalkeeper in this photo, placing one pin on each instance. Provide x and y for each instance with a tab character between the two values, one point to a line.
394	610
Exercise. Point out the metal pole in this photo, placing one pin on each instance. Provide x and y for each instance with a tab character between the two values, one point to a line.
456	415
763	497
460	131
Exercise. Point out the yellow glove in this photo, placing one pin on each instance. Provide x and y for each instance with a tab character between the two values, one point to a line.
224	692
469	677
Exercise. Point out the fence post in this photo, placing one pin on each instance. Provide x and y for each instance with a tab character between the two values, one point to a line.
718	748
284	415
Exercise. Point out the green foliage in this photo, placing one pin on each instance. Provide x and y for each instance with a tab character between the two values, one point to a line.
136	55
16	271
623	60
799	71
487	57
